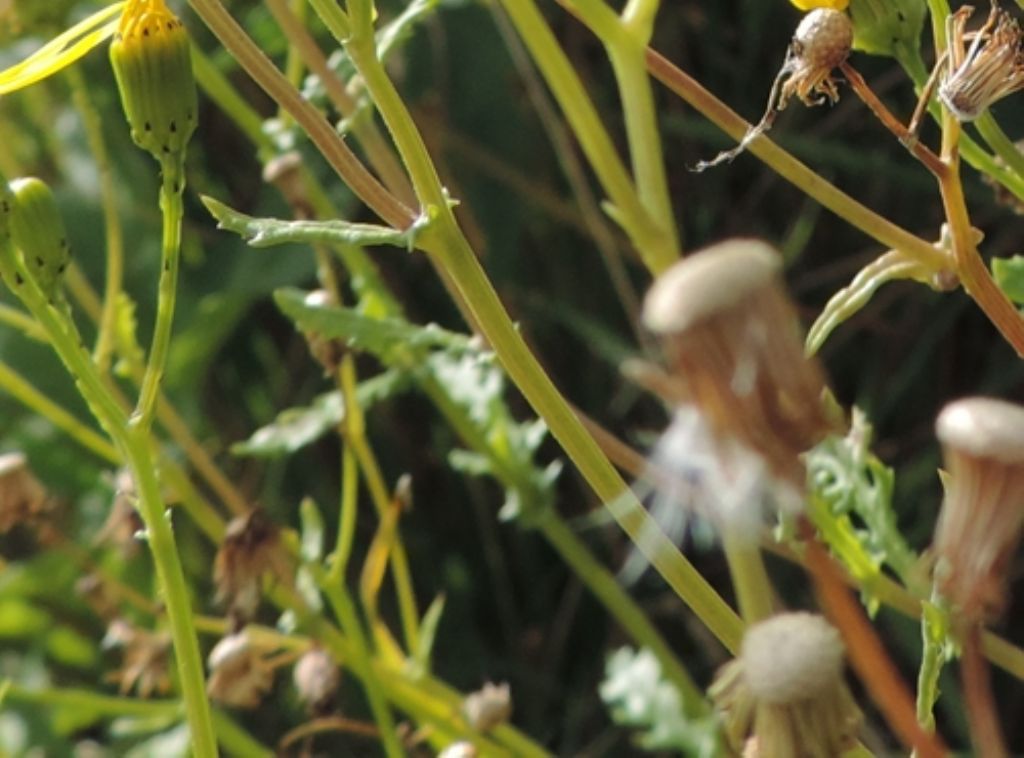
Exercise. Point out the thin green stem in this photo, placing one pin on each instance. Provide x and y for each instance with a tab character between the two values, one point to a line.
754	593
21	321
134	445
111	219
24	392
345	609
171	189
605	587
625	40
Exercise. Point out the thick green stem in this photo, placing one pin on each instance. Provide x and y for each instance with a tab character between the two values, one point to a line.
754	593
135	448
171	188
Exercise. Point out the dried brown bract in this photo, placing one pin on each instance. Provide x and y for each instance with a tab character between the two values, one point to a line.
983	510
22	497
251	548
241	673
822	42
146	666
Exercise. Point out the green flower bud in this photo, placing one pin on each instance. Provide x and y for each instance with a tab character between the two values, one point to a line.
37	230
152	60
888	27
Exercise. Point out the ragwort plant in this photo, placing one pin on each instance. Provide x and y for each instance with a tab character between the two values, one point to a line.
756	439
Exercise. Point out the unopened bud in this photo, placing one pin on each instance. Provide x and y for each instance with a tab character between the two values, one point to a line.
37	230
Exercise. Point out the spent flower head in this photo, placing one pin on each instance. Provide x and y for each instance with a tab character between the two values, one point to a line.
786	689
991	68
251	548
241	672
316	677
982	514
146	654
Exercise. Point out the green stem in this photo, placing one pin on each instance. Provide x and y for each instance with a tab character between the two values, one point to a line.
453	253
111	220
135	448
626	42
933	641
171	189
601	582
754	593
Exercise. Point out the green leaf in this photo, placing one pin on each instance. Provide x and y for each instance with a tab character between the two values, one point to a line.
19	619
639	697
312	547
1009	275
266	232
428	635
69	648
383	337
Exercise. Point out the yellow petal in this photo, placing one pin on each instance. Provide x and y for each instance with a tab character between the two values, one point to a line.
809	5
62	50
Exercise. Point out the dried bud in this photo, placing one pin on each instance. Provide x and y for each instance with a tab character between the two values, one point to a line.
488	707
146	656
459	750
250	549
983	510
822	42
23	499
989	70
285	173
787	687
732	338
37	230
152	59
123	523
240	673
316	677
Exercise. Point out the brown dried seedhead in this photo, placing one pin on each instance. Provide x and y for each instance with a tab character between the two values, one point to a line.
251	548
982	515
24	501
241	673
146	659
316	677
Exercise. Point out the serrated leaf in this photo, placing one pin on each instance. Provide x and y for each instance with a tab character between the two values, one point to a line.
639	697
267	232
379	336
1009	275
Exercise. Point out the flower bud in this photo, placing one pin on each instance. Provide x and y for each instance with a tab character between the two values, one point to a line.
251	548
983	510
152	60
316	677
37	230
241	674
786	689
23	498
732	338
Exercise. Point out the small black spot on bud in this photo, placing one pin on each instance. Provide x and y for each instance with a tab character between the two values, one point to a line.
167	150
62	268
148	127
39	262
174	127
17	279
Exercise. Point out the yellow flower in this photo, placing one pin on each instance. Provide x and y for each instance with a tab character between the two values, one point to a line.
74	43
809	5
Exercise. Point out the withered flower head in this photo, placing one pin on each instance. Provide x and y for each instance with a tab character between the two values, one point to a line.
23	499
989	70
316	677
146	655
459	750
821	43
488	707
786	689
250	549
732	339
241	674
983	510
123	523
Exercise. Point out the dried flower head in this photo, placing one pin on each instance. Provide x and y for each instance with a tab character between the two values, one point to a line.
987	71
123	523
983	510
250	549
23	499
732	339
241	673
488	707
285	173
459	750
316	677
146	666
821	43
787	689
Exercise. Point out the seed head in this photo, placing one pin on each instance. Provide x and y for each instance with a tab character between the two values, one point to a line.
146	667
732	339
241	674
823	40
989	70
787	689
316	677
983	510
488	707
23	499
250	549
